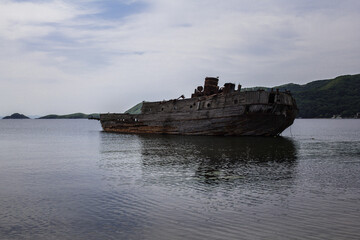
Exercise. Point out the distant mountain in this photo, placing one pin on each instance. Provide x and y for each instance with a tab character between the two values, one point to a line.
326	98
16	116
70	116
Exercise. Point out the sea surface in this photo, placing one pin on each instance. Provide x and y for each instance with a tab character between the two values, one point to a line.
66	179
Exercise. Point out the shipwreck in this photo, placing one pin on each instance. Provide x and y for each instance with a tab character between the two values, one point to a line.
211	110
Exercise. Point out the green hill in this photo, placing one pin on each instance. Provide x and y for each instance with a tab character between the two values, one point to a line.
71	116
135	109
325	98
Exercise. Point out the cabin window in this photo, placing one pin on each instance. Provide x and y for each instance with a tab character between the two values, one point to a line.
235	101
208	105
162	109
190	106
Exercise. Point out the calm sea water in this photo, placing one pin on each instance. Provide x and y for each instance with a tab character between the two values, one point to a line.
66	179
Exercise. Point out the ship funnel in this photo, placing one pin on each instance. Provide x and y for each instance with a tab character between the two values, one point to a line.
211	85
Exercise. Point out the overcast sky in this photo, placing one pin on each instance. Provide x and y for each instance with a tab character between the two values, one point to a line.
66	56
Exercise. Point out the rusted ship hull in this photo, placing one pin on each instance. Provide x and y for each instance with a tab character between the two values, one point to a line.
252	124
230	113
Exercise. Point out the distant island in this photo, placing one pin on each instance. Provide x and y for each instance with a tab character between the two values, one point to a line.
71	116
16	116
337	97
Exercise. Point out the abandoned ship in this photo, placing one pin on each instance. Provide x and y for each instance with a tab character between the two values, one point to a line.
210	111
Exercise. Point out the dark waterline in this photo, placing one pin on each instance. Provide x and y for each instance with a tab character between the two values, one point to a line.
66	179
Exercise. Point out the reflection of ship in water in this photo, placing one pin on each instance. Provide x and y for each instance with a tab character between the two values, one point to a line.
214	159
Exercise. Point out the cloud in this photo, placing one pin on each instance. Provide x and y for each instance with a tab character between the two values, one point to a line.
129	51
32	19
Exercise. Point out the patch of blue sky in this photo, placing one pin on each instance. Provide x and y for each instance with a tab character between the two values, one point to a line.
59	46
23	1
115	10
51	42
57	41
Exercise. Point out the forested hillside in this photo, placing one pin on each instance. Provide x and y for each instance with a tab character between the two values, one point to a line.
325	98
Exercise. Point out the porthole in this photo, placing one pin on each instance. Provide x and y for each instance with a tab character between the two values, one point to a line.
208	105
190	106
